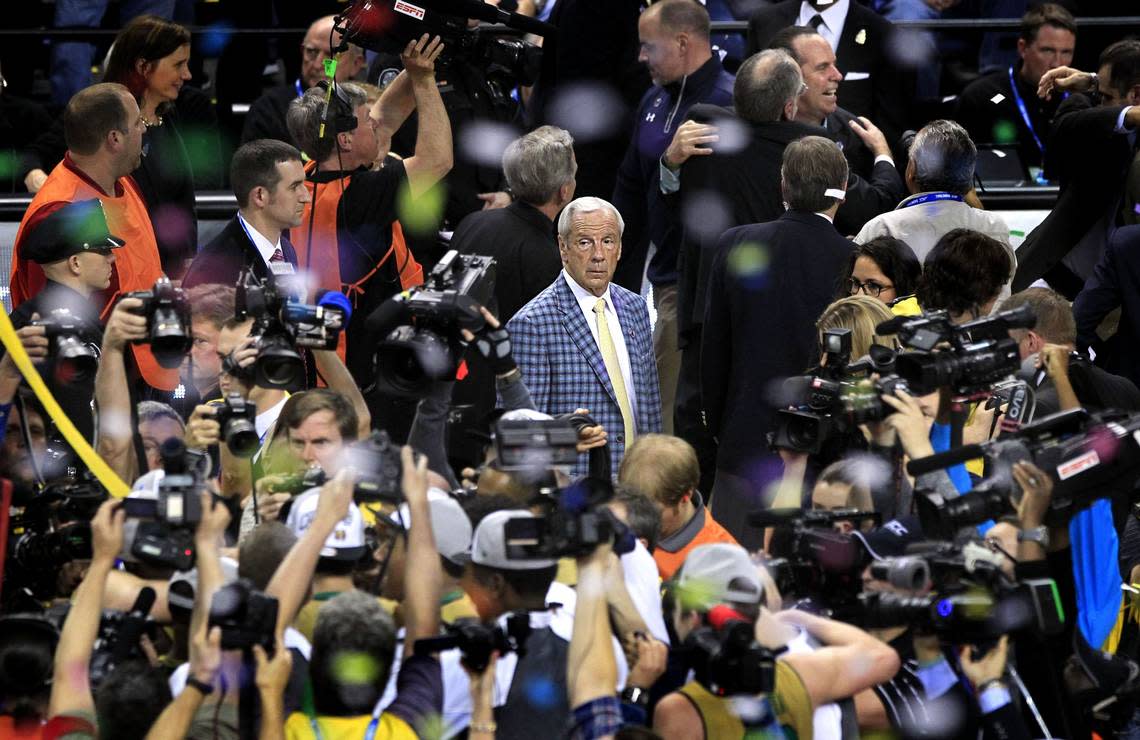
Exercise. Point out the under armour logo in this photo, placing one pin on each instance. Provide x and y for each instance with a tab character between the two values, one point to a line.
650	116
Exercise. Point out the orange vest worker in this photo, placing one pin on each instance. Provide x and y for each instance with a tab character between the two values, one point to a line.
137	264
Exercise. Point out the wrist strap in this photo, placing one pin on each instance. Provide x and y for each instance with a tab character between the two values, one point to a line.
204	688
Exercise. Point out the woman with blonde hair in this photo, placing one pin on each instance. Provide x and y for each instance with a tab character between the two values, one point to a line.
861	314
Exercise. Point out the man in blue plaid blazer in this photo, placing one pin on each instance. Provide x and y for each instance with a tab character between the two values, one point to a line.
567	339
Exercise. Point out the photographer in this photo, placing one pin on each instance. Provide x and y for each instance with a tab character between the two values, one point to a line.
355	624
211	306
74	248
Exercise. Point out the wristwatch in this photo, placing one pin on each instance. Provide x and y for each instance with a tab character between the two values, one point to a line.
635	695
205	688
1040	535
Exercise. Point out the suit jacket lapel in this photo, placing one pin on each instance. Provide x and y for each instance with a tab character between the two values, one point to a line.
633	342
580	334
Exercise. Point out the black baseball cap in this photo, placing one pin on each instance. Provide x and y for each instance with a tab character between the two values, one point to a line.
892	539
75	228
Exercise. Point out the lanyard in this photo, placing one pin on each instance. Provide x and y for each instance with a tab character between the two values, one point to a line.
297	84
1024	112
932	197
369	734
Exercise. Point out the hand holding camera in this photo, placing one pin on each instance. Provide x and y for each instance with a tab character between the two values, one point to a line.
910	423
335	497
125	325
419	57
984	669
35	342
202	430
273	674
212	525
206	657
1037	488
107	532
493	342
414	481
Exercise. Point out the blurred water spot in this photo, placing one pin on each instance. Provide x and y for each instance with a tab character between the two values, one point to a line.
171	223
588	111
422	214
541	692
910	47
1005	132
706	215
748	264
216	38
352	667
483	142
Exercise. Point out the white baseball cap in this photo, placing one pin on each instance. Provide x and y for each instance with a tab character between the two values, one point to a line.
345	543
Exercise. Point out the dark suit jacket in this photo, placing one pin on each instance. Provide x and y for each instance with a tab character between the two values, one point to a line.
859	157
883	93
522	241
1114	283
1091	161
745	186
230	252
760	326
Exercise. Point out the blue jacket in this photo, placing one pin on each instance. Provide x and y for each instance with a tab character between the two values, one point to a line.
637	194
563	367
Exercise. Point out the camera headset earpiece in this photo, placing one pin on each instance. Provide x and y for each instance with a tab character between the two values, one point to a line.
343	118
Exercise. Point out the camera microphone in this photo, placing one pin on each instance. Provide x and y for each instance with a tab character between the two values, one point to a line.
721	615
941	460
335	300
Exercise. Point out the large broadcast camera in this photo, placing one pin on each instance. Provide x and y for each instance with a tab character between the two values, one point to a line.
161	521
574	522
1088	456
421	327
72	360
476	641
979	353
838	398
727	660
282	322
817	562
971	600
167	315
388	26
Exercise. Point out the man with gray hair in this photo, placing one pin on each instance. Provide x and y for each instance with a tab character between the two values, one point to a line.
742	349
584	343
539	168
939	176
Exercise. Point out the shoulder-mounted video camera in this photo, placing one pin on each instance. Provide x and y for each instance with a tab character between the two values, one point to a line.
575	520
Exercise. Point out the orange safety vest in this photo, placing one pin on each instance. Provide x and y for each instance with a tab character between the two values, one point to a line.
321	257
137	264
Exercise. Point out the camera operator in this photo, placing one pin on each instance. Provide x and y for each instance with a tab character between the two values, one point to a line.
355	624
15	456
74	248
211	306
1062	378
849	662
349	239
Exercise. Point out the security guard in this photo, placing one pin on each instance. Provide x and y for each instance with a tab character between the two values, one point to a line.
74	248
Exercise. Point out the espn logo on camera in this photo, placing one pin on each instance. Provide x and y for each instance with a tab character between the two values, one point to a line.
414	11
1078	465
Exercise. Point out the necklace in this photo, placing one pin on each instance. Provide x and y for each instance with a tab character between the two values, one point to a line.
148	123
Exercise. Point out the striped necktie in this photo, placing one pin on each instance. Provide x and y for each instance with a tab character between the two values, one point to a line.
278	256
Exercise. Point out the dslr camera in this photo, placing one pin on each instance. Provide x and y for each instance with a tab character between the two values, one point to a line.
379	474
282	323
167	315
726	658
421	327
238	419
574	522
972	357
247	616
72	359
476	640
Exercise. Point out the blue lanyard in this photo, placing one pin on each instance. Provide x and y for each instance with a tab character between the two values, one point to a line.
297	84
1024	113
932	197
369	734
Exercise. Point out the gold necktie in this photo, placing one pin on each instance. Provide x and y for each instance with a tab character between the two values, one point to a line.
613	368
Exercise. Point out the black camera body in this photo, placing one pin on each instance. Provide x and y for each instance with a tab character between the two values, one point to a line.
575	521
72	359
943	518
119	635
530	444
167	315
282	323
980	352
476	640
379	474
247	616
421	327
237	417
728	661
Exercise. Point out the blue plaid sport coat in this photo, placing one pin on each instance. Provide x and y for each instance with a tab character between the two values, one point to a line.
563	367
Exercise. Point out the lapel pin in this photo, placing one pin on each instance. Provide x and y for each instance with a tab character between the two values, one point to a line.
861	37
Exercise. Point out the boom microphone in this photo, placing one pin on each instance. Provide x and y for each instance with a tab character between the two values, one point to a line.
942	460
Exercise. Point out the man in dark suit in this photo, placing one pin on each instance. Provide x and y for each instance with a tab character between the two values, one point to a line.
269	182
863	144
539	168
586	343
1090	149
873	85
785	269
1115	283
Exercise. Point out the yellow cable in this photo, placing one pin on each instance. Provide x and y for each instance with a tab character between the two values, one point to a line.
114	485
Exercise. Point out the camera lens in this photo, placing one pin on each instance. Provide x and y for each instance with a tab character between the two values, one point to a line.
169	339
76	361
410	359
241	437
278	365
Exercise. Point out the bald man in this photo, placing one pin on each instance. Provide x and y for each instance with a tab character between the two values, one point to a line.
266	117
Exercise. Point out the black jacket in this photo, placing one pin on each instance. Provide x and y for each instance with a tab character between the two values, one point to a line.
266	116
980	115
759	324
522	241
1114	283
745	186
230	252
859	157
1091	162
864	49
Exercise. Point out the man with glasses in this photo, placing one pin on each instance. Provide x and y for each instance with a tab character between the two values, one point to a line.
1090	151
266	117
586	343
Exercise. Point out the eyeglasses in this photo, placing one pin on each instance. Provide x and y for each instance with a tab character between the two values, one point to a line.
871	287
312	52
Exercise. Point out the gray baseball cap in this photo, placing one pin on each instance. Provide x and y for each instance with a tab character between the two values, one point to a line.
489	545
449	525
720	572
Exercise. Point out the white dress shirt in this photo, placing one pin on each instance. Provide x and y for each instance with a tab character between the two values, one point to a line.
586	301
265	247
833	19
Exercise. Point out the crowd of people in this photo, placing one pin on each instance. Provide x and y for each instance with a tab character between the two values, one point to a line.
499	407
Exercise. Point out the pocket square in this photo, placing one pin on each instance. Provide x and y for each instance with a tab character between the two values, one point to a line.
852	76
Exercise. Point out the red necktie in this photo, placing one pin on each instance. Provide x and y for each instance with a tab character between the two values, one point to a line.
278	256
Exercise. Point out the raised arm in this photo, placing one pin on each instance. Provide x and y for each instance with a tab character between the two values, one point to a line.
336	375
423	573
71	688
433	156
591	667
114	438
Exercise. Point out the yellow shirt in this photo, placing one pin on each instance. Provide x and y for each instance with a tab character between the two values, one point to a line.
300	727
